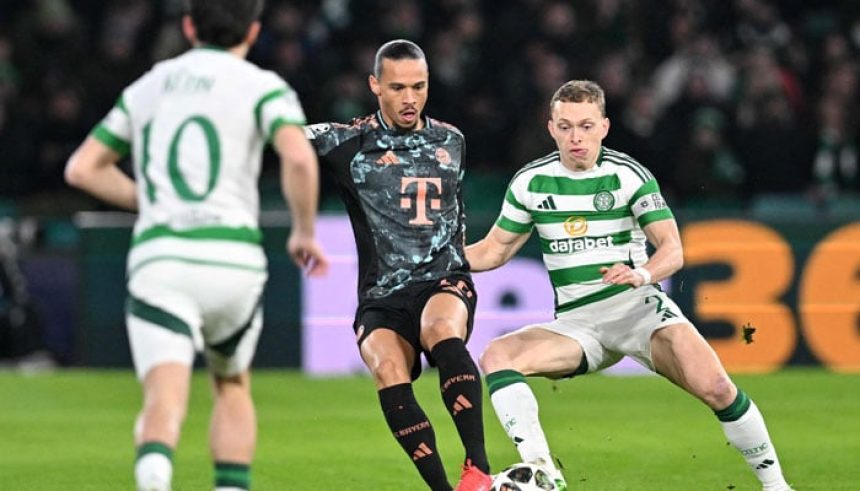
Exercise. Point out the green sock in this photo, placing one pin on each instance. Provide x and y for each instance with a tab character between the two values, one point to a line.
517	409
745	429
153	467
154	447
232	475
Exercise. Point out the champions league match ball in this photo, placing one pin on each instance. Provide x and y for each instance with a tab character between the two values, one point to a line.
523	477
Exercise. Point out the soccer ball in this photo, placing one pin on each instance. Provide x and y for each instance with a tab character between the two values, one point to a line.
523	477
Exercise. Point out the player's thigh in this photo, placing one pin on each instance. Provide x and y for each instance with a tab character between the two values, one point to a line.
212	306
534	350
626	323
162	320
229	301
682	355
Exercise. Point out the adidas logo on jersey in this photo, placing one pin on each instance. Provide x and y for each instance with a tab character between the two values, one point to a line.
566	246
547	204
388	158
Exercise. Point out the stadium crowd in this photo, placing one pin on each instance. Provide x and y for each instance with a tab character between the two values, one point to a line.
721	100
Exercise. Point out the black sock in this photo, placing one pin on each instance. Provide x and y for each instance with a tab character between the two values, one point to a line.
413	431
460	384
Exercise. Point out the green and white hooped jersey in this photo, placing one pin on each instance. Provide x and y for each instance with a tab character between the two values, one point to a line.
195	127
585	220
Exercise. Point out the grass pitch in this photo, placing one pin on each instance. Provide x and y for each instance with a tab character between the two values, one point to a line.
72	430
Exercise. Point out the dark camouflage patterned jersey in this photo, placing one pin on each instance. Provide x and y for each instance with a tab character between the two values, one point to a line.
402	192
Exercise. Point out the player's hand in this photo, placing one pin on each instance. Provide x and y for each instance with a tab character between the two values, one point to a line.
307	253
621	274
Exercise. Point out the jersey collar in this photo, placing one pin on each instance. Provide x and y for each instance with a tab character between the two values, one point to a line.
210	47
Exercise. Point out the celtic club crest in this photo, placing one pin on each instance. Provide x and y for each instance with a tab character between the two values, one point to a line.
604	201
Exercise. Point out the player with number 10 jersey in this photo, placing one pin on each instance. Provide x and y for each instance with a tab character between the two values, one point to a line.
203	106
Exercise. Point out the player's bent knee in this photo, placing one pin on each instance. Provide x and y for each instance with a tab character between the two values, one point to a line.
496	357
719	392
232	387
235	380
388	372
724	391
440	330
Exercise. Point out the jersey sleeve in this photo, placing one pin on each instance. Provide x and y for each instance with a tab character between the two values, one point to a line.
460	176
115	129
514	216
324	137
278	107
647	204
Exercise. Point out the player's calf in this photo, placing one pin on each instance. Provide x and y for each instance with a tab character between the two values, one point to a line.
412	430
460	384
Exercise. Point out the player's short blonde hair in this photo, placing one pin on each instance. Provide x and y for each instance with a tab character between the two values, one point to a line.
580	91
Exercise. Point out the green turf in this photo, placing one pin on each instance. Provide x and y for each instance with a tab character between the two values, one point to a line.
72	430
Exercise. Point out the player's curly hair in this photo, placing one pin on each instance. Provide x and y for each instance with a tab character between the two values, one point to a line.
580	91
223	23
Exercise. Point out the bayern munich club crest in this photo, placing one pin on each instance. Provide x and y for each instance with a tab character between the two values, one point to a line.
442	156
604	201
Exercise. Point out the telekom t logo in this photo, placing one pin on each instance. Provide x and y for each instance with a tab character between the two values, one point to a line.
421	197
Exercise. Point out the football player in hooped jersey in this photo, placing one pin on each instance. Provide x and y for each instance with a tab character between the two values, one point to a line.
399	174
594	208
195	127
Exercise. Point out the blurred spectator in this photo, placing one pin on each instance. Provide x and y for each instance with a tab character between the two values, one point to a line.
614	75
709	172
835	166
402	19
59	131
348	97
783	75
633	131
698	63
773	147
50	40
10	78
759	24
123	34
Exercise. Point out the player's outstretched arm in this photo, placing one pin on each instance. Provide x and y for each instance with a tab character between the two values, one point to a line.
92	168
494	250
300	185
668	257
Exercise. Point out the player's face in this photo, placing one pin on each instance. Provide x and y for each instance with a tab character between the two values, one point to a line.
402	91
578	129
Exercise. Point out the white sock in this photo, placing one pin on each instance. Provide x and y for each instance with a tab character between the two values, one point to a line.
153	472
517	409
749	435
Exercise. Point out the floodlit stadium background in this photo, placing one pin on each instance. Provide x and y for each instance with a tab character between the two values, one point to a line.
746	111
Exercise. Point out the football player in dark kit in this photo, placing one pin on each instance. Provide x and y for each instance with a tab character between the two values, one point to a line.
399	174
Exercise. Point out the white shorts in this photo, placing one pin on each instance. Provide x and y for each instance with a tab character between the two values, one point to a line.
621	325
176	309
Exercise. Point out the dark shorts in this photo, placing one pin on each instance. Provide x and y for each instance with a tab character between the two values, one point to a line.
401	311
